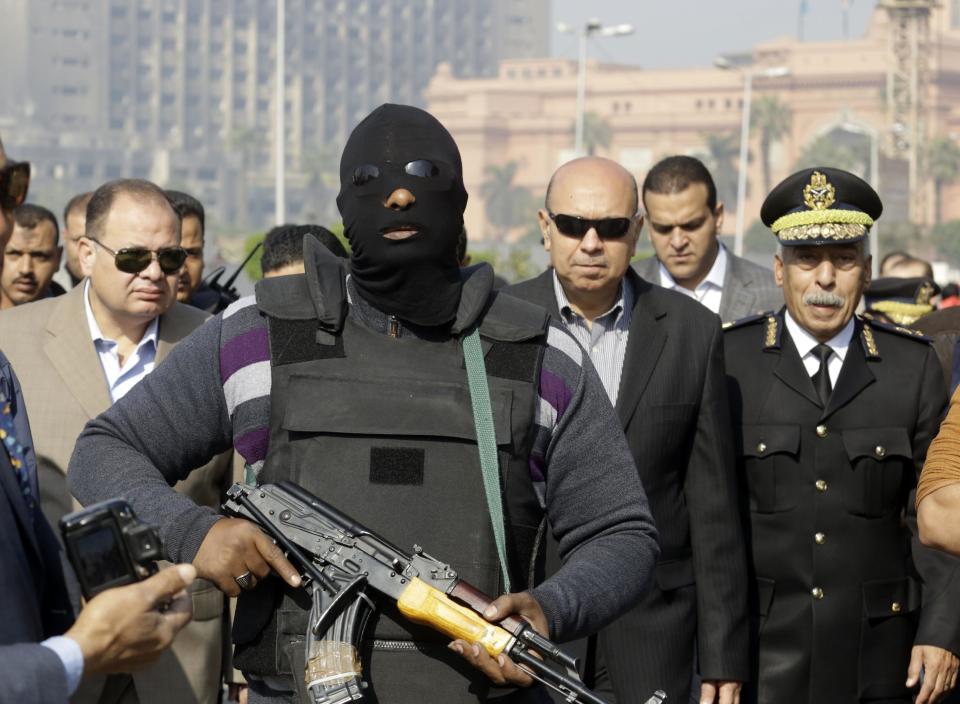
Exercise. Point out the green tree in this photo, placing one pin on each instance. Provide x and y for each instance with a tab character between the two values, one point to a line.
597	132
772	120
759	240
322	167
943	165
252	268
828	150
722	151
945	237
506	204
514	263
248	142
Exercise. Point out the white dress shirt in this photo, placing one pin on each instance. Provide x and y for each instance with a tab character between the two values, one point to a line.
605	338
805	342
122	378
710	290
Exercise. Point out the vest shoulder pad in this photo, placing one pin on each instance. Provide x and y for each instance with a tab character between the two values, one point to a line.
509	319
285	297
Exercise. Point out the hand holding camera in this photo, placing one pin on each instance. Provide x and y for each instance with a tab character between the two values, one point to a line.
138	615
124	628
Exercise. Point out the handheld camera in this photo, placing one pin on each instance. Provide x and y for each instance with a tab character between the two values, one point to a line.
109	546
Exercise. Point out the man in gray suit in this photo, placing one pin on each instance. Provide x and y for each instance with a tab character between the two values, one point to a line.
684	221
119	628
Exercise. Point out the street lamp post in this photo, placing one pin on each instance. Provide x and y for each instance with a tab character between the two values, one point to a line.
748	75
590	27
279	186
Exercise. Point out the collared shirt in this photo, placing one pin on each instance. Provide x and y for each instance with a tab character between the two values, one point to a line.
805	342
710	290
122	378
605	341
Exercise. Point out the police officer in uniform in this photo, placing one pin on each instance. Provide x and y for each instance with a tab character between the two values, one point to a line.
834	416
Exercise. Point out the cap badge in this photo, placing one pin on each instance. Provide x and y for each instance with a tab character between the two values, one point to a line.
819	194
925	293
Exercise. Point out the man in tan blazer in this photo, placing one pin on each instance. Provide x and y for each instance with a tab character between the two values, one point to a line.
78	353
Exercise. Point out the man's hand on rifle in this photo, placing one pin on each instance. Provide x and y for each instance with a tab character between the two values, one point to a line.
236	554
502	670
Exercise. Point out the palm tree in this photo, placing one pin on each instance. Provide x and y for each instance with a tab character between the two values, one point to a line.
722	150
321	164
506	205
826	150
943	163
596	132
773	120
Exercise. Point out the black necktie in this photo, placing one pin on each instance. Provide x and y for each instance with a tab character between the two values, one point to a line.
821	380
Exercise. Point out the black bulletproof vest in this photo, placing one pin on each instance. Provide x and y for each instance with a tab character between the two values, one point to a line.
382	428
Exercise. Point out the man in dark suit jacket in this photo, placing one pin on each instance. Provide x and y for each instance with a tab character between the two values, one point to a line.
684	220
834	416
119	628
660	357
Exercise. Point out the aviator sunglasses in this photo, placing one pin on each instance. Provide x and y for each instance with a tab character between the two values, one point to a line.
14	183
421	168
576	226
133	260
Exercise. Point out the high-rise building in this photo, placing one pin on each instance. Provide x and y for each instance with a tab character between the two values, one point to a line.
188	86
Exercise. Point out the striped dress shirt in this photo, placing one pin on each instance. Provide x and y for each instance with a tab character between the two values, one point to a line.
605	340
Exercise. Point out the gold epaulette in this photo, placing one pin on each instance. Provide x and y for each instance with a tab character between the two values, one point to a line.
899	330
733	325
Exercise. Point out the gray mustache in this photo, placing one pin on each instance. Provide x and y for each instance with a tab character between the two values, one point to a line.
824	298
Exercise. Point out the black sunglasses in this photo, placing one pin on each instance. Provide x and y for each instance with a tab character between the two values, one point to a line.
133	260
14	184
576	226
421	168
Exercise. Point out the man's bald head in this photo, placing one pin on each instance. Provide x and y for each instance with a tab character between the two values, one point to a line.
590	196
606	173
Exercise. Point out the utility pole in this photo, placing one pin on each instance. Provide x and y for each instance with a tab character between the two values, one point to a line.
907	82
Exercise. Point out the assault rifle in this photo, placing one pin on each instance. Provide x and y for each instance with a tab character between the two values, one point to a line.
342	559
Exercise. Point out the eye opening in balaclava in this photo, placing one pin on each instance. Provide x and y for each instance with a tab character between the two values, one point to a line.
416	278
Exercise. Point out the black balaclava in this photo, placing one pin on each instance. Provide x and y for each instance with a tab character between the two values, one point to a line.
416	279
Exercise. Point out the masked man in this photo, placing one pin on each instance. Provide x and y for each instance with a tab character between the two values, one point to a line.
354	386
834	416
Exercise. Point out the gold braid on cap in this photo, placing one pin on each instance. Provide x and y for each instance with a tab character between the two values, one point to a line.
822	217
902	313
828	230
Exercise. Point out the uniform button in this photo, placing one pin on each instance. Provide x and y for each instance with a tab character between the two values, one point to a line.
880	451
895	607
820	538
821	431
821	485
761	447
816	593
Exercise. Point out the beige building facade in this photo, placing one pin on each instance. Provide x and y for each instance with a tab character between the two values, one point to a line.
840	89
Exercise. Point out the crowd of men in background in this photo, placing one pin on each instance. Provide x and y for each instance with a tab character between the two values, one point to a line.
778	435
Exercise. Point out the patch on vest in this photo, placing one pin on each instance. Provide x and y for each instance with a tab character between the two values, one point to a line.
396	465
293	341
514	360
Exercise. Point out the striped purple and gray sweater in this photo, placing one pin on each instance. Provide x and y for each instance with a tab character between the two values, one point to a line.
213	392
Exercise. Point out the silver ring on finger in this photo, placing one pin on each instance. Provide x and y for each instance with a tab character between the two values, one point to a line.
245	581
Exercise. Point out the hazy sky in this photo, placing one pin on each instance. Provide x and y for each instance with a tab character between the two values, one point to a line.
693	32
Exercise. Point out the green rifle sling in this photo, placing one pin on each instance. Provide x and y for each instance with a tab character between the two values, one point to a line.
486	443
